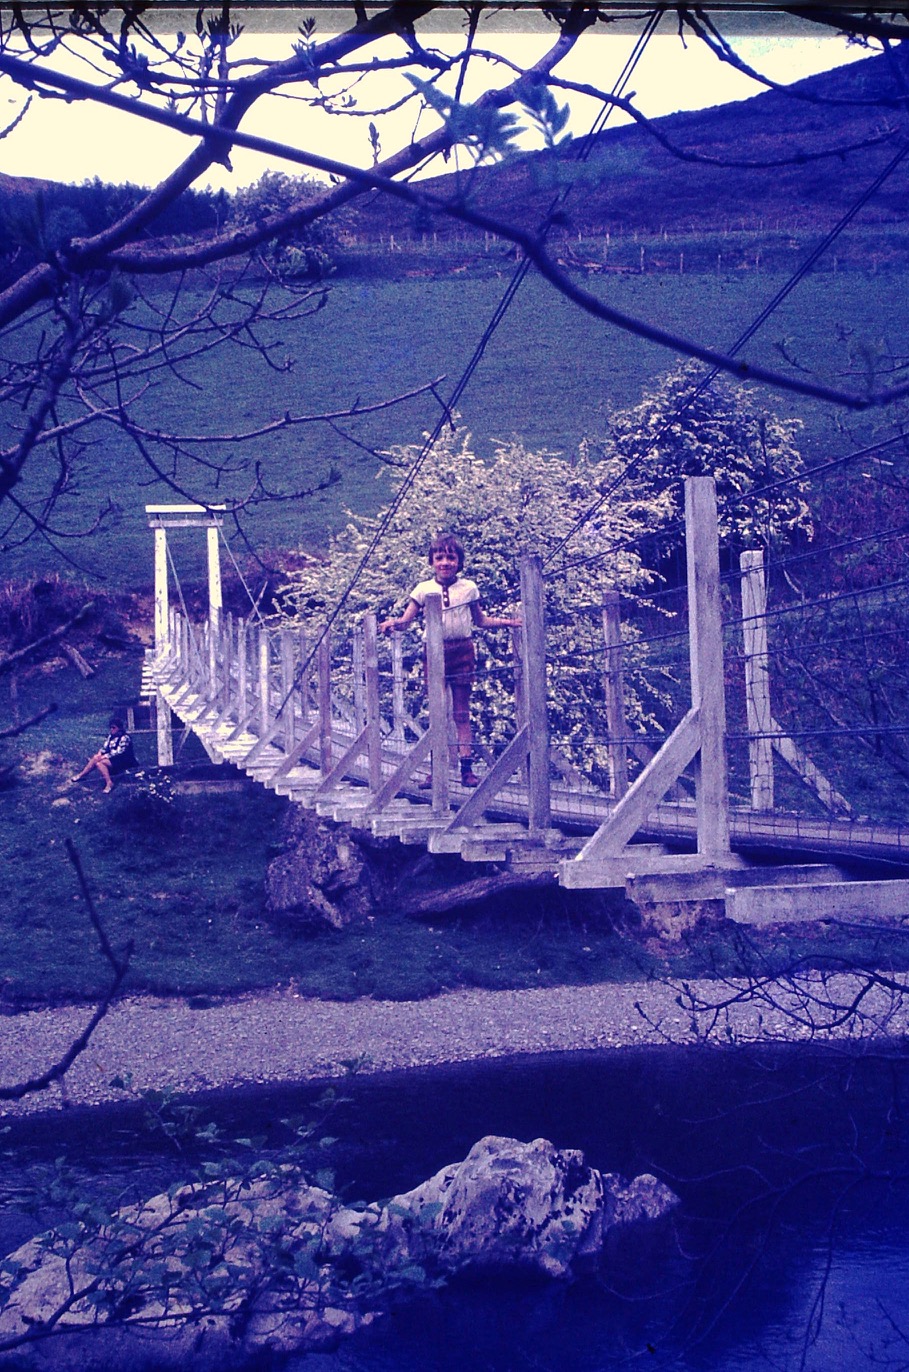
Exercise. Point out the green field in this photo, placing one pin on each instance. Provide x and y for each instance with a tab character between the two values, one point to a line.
189	896
548	376
175	880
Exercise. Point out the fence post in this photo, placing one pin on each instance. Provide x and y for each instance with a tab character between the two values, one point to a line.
397	688
614	691
303	679
214	657
520	695
164	641
264	681
438	703
215	604
162	615
225	656
757	679
371	686
324	677
708	693
242	669
287	687
534	636
357	673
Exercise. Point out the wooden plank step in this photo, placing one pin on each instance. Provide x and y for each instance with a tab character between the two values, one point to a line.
859	900
453	841
534	863
639	859
712	881
483	852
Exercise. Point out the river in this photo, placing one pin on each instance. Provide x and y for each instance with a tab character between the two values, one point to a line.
790	1249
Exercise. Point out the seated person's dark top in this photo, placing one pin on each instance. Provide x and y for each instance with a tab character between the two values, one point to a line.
118	749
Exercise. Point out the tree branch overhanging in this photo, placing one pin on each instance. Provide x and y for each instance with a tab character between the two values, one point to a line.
357	180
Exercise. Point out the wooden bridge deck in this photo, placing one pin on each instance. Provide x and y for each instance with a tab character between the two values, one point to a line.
242	692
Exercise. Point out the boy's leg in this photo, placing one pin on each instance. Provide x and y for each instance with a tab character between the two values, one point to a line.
460	709
460	658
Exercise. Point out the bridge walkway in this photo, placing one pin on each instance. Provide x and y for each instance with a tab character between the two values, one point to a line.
262	702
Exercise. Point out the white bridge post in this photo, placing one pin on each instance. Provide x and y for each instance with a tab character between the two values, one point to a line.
397	689
614	690
288	688
708	686
163	723
160	519
757	679
371	703
264	691
539	813
323	661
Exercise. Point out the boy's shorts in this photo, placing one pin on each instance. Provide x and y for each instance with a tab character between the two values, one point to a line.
460	662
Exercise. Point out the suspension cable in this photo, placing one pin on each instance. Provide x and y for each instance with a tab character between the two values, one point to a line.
486	337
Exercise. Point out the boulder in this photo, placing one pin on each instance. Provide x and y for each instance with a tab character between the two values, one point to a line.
207	1275
322	876
523	1206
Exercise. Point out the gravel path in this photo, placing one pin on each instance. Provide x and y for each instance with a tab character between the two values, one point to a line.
282	1037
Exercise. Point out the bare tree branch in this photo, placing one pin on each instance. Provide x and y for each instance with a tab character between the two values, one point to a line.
120	967
7	663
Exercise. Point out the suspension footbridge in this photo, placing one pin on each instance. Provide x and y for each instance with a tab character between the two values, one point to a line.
332	732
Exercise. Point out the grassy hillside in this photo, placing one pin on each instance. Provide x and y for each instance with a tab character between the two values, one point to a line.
632	182
548	377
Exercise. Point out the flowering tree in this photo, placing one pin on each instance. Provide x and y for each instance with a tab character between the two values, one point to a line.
518	502
724	430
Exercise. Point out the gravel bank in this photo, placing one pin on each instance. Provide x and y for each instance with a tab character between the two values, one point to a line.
282	1037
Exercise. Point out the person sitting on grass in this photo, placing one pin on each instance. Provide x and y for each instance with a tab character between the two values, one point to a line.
461	610
115	755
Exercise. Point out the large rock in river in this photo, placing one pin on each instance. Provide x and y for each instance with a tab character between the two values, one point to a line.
207	1275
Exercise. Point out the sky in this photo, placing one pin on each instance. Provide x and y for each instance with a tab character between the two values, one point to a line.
75	142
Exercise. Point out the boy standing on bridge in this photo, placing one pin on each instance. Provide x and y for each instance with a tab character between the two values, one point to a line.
461	610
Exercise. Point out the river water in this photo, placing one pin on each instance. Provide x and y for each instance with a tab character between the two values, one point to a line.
790	1249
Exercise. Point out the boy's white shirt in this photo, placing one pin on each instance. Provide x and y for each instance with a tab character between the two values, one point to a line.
457	620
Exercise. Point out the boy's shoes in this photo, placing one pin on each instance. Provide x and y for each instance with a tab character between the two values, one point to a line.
468	778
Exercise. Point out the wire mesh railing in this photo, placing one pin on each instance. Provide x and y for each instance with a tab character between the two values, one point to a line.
794	726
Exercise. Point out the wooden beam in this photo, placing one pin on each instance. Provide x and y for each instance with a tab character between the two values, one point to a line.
614	691
648	788
402	773
264	681
339	770
501	771
297	753
708	687
215	597
286	707
371	701
533	614
757	679
162	608
323	659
